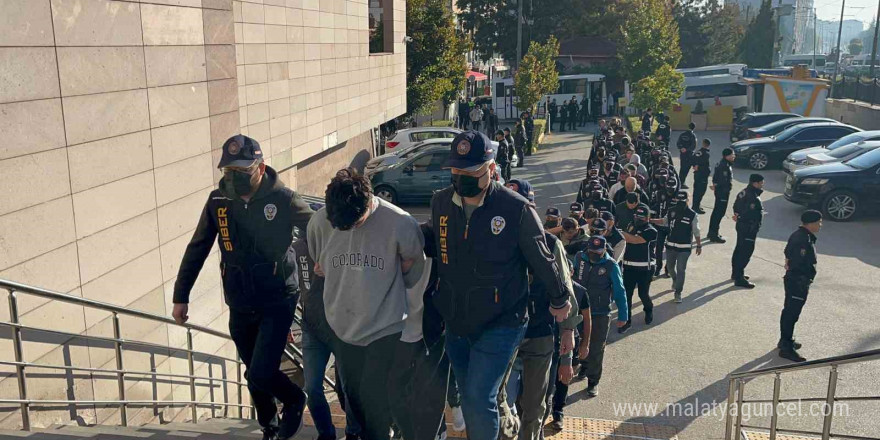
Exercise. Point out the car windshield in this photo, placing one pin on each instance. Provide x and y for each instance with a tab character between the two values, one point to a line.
846	140
418	148
866	160
778	124
789	132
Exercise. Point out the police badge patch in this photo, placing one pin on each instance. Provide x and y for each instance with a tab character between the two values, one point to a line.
803	252
464	147
270	211
498	224
602	271
234	148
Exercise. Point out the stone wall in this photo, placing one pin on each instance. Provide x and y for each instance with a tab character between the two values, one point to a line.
855	113
112	114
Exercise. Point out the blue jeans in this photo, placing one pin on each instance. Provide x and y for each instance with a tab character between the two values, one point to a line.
479	363
317	355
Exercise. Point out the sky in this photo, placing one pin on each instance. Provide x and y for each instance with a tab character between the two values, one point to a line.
863	10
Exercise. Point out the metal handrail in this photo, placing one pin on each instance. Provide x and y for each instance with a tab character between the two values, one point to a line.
291	352
737	381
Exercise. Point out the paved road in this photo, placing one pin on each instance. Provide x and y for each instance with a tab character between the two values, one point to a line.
685	356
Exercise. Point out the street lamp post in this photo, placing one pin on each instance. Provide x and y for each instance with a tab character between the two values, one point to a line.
874	49
837	54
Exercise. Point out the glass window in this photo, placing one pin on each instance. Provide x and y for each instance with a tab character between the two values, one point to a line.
425	135
707	73
449	135
712	90
846	140
380	22
499	90
438	161
866	160
422	162
845	151
572	86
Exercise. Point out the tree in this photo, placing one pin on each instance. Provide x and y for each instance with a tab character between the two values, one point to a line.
660	90
855	46
723	31
689	16
537	73
435	62
649	39
867	37
756	48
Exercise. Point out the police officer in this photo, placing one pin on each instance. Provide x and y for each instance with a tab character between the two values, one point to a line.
687	143
702	169
639	236
661	203
599	201
576	211
254	219
684	230
722	183
647	120
600	275
484	300
504	156
748	213
663	131
800	270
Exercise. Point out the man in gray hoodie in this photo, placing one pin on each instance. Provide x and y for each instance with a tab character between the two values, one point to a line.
367	271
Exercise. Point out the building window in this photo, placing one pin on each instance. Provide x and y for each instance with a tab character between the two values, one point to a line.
381	28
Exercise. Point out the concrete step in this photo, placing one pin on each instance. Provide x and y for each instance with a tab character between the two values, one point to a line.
761	435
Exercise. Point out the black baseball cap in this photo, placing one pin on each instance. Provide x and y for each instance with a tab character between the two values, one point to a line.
607	216
240	151
641	212
596	244
598	224
552	211
470	150
576	207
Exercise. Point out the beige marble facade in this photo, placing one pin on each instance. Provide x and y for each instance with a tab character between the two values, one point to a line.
112	113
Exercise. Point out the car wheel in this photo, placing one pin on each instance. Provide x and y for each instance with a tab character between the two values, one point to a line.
758	160
386	193
840	206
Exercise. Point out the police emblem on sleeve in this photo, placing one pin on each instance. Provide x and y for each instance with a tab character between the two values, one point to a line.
270	211
498	224
803	252
602	271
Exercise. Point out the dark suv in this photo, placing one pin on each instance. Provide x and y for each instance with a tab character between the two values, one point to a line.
755	120
842	190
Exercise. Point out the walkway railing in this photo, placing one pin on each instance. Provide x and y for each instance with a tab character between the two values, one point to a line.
736	400
120	344
858	87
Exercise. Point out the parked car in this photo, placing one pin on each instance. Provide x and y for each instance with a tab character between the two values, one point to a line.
754	120
777	127
410	136
798	159
761	153
842	190
414	179
388	159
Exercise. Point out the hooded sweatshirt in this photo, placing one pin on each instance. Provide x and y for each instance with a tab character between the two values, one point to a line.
640	169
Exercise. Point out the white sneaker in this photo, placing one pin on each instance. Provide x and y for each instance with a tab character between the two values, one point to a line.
457	419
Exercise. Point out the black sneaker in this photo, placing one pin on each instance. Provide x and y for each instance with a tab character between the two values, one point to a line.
352	436
717	239
592	390
582	373
557	423
291	420
270	433
797	345
649	317
699	211
791	354
745	277
625	327
743	282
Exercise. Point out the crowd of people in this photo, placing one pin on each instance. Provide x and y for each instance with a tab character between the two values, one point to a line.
486	307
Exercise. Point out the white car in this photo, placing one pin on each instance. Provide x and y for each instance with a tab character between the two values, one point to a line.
798	159
388	159
408	137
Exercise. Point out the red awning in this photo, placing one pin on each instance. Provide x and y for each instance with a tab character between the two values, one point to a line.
477	76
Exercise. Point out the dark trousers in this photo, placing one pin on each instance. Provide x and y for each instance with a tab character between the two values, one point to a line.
685	164
637	277
659	245
584	116
367	380
718	212
598	336
571	122
476	125
700	184
796	290
746	233
260	337
522	157
505	170
530	142
561	124
557	392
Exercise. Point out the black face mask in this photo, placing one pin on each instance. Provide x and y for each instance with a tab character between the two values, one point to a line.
467	186
597	195
639	223
239	182
550	224
594	257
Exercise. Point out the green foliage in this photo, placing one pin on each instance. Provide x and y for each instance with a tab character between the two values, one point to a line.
537	74
855	46
649	38
439	123
867	36
756	48
710	33
435	62
660	90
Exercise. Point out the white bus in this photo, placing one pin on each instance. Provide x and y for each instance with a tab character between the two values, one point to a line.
719	69
795	60
504	95
727	88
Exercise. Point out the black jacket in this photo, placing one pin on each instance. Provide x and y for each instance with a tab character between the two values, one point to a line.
483	262
748	206
258	263
800	251
723	177
505	153
701	161
688	141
